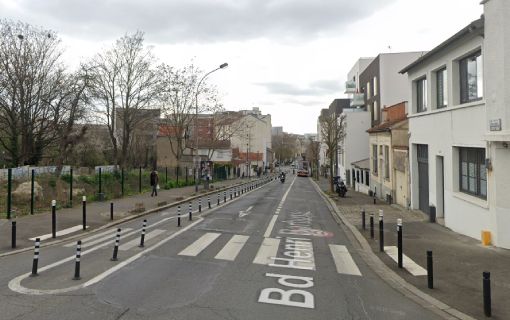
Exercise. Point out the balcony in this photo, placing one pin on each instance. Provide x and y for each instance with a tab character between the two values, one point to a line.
350	87
358	100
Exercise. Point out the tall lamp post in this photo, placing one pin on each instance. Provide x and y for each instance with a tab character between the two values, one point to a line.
197	171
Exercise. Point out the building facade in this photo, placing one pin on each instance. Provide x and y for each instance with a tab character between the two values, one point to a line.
389	172
448	147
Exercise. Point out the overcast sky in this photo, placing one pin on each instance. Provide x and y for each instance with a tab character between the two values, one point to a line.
288	57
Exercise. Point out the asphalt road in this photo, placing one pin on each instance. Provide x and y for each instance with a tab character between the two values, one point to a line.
273	253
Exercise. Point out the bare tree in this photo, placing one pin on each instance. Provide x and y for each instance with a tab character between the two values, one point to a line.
123	84
284	145
312	153
223	126
31	76
332	128
178	91
69	107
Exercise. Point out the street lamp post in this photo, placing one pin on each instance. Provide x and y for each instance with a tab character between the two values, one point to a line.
197	171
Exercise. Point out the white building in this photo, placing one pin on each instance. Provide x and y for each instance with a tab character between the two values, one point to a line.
458	166
253	140
497	123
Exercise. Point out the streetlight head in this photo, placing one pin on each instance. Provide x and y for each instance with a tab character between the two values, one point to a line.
223	65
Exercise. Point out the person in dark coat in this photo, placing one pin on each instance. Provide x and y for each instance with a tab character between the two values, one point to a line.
154	183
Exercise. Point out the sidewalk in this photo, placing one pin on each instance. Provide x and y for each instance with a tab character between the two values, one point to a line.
98	214
458	260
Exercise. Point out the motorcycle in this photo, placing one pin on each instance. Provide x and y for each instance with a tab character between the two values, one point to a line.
282	178
341	189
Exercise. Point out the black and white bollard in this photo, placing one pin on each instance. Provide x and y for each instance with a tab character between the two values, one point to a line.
363	219
218	199
111	211
36	257
142	236
190	212
84	212
224	196
381	231
235	192
230	191
199	204
209	201
13	234
399	244
77	261
487	305
178	216
116	248
371	226
53	219
430	271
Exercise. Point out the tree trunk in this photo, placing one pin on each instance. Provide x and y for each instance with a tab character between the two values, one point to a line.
331	161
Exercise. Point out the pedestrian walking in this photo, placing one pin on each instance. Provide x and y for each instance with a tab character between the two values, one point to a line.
154	183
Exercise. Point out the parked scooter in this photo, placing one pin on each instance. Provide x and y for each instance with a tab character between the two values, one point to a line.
282	177
340	187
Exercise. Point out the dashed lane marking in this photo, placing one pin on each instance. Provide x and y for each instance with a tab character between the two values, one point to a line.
267	251
411	266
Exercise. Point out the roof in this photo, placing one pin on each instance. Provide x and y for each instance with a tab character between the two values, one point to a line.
385	126
475	27
362	164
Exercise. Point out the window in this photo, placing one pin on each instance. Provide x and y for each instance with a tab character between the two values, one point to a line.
374	159
376	111
421	95
473	174
442	88
471	78
387	162
375	86
367	178
368	90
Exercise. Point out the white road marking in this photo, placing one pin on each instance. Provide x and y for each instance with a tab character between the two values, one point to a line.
232	248
107	235
277	212
60	233
200	244
270	226
135	242
15	284
411	266
267	251
245	213
343	260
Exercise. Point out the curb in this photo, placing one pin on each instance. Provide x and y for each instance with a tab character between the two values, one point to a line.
120	221
386	274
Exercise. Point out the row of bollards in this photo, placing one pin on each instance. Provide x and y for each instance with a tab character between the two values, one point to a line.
77	260
487	304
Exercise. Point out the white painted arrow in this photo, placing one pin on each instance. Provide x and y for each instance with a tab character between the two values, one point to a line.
245	213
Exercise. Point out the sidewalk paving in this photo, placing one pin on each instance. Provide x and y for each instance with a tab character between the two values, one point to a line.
98	214
458	260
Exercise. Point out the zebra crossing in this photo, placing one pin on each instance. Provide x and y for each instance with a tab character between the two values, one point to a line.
267	252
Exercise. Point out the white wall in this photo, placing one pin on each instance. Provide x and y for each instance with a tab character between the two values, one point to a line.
393	88
443	130
355	144
497	74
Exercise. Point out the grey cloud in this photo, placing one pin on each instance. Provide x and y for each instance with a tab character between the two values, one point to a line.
316	88
195	20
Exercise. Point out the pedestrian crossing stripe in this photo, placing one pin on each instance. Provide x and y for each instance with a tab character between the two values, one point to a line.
200	244
411	266
343	260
